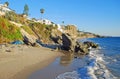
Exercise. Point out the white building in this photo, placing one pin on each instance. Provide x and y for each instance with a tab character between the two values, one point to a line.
3	9
48	22
45	21
60	28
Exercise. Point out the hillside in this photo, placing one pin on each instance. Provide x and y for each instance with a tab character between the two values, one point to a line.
8	31
19	27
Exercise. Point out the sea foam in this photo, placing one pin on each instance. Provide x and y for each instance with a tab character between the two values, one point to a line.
94	69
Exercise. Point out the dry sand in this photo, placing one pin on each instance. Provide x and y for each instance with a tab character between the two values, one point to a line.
20	61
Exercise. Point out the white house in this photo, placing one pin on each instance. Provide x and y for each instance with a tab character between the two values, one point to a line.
3	9
60	28
45	21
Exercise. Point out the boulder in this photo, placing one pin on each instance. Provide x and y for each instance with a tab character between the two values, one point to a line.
27	38
81	48
68	43
35	45
91	44
71	45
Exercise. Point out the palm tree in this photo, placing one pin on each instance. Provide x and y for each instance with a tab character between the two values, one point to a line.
42	12
63	22
7	3
26	10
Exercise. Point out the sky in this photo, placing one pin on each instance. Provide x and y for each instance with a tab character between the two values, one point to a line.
96	16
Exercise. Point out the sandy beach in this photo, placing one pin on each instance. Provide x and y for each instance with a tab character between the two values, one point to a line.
18	62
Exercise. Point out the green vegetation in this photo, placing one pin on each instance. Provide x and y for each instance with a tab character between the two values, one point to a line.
42	12
8	32
42	31
50	27
28	30
26	10
7	3
12	16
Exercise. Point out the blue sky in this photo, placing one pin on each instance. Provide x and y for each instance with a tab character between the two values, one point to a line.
96	16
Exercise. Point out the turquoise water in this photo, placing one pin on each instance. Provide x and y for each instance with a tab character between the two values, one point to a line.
103	63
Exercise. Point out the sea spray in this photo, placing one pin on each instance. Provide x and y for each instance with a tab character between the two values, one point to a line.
69	75
95	69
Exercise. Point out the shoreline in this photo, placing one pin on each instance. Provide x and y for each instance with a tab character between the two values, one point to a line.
19	64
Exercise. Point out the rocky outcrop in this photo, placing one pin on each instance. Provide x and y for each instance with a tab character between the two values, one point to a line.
56	36
68	43
90	44
71	45
27	38
71	30
84	47
81	48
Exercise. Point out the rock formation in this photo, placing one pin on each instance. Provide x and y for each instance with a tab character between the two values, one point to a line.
69	44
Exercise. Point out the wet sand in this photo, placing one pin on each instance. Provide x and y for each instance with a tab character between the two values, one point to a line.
20	61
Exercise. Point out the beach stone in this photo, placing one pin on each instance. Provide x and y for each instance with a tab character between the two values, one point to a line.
57	49
8	50
35	45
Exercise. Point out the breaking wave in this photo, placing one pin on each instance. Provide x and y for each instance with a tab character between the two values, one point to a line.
94	69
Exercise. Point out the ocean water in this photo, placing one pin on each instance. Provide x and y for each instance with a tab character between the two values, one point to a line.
110	48
103	63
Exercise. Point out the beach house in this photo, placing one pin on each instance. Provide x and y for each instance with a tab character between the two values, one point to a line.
3	9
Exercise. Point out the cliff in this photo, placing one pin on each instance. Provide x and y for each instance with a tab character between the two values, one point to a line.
17	27
8	31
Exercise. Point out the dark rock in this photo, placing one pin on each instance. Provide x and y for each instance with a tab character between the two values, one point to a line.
71	45
27	41
81	48
57	39
91	44
67	43
35	44
58	48
84	47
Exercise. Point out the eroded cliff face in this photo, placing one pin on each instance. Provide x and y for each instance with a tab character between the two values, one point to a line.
36	31
71	30
75	33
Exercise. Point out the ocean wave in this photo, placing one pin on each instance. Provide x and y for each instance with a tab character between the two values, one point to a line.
69	75
95	69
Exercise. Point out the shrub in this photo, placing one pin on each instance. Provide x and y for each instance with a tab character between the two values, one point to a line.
41	30
28	30
8	32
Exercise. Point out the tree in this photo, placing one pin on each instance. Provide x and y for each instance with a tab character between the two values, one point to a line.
26	10
42	12
63	22
7	3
